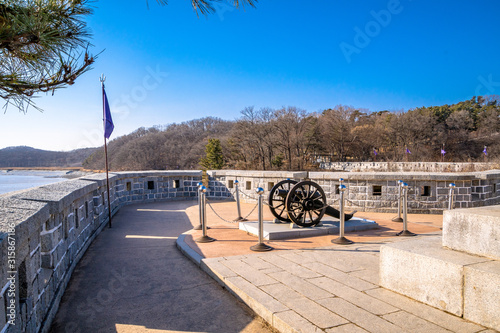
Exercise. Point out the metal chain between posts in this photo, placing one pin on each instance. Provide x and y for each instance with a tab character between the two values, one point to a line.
223	219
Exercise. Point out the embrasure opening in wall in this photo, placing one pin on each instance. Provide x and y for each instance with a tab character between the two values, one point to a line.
377	190
151	185
129	186
425	191
230	183
177	183
249	186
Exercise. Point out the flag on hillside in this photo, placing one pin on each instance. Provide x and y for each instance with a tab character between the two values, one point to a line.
108	122
375	151
408	150
442	151
484	151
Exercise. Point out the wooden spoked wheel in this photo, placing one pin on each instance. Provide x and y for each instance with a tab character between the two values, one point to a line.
306	203
277	198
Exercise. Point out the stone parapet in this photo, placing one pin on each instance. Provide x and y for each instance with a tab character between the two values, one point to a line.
50	227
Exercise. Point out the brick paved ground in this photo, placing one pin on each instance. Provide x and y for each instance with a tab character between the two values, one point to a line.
312	285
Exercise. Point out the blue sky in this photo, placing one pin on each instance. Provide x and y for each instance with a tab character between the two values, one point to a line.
164	64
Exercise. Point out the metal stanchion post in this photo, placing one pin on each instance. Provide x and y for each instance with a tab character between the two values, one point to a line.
261	247
205	238
341	239
341	183
400	185
405	231
239	218
199	226
451	202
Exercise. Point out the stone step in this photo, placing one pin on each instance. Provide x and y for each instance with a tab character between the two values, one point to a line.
459	283
329	225
473	230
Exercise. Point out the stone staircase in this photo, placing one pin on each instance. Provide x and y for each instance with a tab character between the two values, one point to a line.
458	272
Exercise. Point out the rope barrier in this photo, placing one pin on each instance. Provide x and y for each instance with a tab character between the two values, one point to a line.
426	203
353	204
248	196
223	219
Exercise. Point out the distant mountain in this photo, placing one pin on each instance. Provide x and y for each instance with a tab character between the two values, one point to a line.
23	156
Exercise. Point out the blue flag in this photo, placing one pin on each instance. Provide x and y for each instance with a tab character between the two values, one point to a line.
375	152
443	152
484	151
108	122
408	151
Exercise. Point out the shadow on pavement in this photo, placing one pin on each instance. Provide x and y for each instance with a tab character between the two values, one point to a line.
134	279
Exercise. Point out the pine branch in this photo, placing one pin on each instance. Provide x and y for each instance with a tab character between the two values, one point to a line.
41	43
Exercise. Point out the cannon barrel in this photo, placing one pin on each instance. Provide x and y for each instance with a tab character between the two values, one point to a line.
330	211
282	193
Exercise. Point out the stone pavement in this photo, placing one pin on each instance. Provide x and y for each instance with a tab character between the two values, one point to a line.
133	279
312	285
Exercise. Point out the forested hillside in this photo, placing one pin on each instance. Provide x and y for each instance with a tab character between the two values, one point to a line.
294	139
176	146
30	157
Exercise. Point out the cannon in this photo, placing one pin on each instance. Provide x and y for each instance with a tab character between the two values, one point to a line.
303	203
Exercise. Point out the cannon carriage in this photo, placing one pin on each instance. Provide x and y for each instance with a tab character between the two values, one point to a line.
303	203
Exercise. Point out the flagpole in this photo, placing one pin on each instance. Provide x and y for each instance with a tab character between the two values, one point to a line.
102	79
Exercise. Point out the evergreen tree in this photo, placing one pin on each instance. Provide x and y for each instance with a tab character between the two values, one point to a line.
214	159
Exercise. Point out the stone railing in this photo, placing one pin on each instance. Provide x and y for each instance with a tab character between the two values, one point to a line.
45	231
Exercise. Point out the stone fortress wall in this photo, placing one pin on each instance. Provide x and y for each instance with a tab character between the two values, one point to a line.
428	192
50	227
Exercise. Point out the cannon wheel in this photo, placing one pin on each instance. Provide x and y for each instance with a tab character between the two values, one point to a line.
306	204
277	203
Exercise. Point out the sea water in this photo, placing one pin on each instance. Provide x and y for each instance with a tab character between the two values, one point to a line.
16	180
